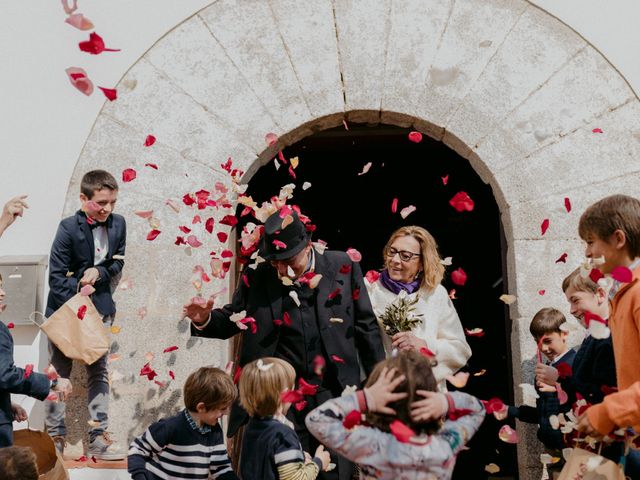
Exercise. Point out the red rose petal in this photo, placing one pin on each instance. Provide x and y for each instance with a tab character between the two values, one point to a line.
222	237
353	418
372	276
172	348
562	258
229	220
355	294
236	376
541	292
245	280
299	406
79	79
344	269
153	234
81	311
462	202
544	226
128	174
567	204
188	200
425	352
354	255
595	274
459	277
415	137
150	140
337	359
597	130
279	244
493	405
402	432
334	294
622	274
172	375
286	318
394	205
10	325
564	370
148	371
28	370
193	241
226	253
208	225
151	165
184	229
445	179
196	219
95	45
291	396
110	93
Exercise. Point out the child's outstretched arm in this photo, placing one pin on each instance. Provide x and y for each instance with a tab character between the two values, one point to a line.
143	448
291	463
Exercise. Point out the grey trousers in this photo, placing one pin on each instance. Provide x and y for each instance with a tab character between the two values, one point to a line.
98	392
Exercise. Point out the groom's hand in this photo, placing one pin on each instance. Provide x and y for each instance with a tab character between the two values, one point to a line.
198	310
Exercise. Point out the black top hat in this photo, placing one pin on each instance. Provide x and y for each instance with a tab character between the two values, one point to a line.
279	243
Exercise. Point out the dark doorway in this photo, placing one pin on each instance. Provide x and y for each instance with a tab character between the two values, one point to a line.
352	210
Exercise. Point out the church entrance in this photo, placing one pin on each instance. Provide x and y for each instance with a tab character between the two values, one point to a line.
352	207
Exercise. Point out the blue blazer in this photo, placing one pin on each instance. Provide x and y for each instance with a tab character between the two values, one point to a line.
72	253
12	379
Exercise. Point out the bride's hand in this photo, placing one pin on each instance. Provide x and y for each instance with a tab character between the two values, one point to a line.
407	341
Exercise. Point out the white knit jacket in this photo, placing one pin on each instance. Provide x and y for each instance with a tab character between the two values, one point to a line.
440	327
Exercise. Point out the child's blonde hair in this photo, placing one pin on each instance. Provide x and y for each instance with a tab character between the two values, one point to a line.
579	283
262	383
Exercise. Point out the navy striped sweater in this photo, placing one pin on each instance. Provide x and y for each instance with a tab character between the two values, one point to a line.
174	448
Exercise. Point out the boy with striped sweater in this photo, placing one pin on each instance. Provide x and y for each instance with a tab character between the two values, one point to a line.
189	444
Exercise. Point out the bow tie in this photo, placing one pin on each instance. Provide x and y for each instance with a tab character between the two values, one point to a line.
97	224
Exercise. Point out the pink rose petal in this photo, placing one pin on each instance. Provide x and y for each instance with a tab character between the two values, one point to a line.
354	255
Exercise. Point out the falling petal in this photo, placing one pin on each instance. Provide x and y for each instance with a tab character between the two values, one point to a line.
567	204
459	380
406	211
153	234
172	348
462	202
474	332
87	290
394	205
270	138
115	329
67	8
110	93
28	370
306	186
459	277
507	298
365	169
622	274
446	261
79	21
445	179
401	431
79	79
150	140
354	255
544	226
337	359
128	175
336	320
597	130
294	296
415	137
492	468
562	258
372	276
541	292
352	419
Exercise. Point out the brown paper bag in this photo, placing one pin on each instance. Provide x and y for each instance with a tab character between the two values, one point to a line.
85	339
50	463
579	467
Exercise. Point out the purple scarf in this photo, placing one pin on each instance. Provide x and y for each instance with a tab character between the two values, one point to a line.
396	287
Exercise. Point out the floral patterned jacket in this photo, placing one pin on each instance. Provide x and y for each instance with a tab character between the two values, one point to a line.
381	456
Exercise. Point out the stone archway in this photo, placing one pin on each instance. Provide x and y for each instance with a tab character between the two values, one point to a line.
501	82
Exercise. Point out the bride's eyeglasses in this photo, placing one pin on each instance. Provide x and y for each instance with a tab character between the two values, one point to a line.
404	255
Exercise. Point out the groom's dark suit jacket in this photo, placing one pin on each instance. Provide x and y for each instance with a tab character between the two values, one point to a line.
356	340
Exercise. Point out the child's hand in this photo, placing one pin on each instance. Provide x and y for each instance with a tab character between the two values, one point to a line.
546	374
324	457
381	393
501	414
19	413
543	387
90	276
434	405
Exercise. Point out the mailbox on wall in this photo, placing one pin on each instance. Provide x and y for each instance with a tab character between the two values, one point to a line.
23	278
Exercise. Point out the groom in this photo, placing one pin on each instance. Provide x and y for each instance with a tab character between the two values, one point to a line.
325	332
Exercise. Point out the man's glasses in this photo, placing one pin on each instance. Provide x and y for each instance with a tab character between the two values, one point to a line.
404	255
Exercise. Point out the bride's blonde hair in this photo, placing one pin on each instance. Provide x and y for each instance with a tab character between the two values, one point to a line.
432	268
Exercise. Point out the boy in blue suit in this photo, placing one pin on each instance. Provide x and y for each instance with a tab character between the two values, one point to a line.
88	249
13	379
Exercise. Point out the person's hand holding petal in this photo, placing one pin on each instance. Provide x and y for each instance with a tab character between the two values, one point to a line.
197	310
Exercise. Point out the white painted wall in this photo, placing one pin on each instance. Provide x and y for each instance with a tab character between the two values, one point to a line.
44	121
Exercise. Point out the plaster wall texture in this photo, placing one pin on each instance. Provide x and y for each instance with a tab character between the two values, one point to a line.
506	85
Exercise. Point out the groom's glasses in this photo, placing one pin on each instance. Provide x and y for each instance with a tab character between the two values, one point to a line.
404	255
